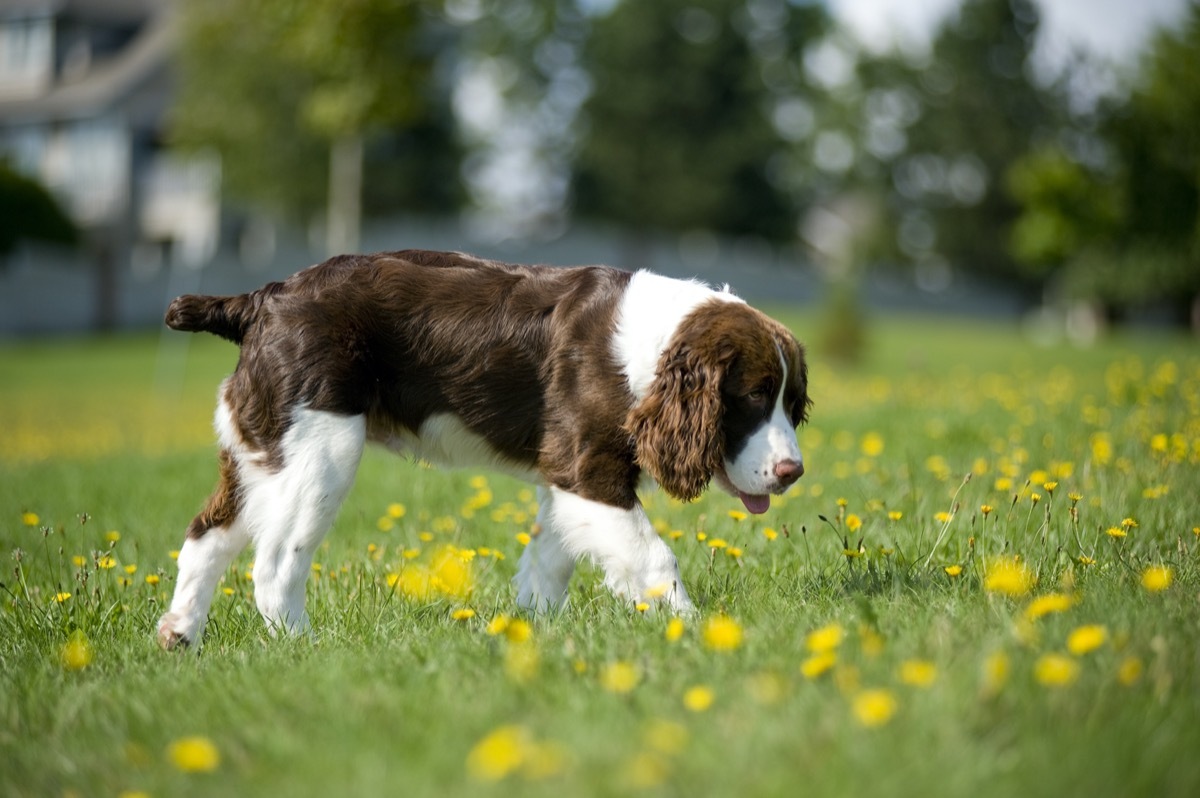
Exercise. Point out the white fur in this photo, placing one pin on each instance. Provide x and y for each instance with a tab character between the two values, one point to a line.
444	440
637	564
753	470
651	310
285	515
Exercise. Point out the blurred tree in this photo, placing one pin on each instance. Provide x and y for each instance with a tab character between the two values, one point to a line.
1123	229
975	109
288	91
29	211
677	133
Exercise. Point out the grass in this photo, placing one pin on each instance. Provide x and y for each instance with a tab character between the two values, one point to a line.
927	674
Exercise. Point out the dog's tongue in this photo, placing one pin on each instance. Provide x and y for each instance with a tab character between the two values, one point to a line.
755	504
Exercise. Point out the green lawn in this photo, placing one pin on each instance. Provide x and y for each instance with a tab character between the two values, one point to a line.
1029	648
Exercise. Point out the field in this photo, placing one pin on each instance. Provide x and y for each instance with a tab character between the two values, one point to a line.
988	583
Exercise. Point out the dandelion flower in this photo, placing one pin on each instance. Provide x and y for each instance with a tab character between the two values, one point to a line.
498	625
499	753
953	570
518	631
1055	670
1008	576
30	519
717	543
895	515
152	579
641	606
1083	559
722	633
943	517
1050	603
396	510
194	755
874	708
818	664
106	562
918	672
1086	639
674	630
771	534
523	538
1116	532
1157	578
62	596
76	653
463	614
853	523
827	638
1049	487
1128	523
698	698
986	509
995	673
737	515
620	677
1130	671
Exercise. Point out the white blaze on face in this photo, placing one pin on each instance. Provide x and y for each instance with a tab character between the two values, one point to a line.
752	474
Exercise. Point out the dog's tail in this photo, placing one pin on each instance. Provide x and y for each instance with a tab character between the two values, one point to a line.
226	316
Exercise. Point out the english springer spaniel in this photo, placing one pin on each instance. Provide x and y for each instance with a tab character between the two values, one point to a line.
576	379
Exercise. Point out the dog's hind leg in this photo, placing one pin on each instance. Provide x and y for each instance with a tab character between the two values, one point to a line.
214	538
288	511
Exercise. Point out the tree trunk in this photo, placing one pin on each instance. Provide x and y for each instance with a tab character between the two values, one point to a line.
345	195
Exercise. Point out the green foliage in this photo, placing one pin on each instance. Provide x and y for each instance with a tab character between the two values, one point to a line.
270	84
29	211
394	693
676	133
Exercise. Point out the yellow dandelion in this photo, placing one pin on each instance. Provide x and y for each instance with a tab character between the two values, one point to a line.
771	534
1116	532
1074	497
620	677
396	510
106	562
463	614
131	569
1050	603
1035	497
986	509
827	638
738	515
1130	671
734	552
79	560
30	519
1049	487
674	630
872	444
385	524
722	633
818	664
641	606
152	579
518	631
61	597
112	536
953	570
918	672
523	538
943	517
1083	559
717	543
1087	639
194	755
874	708
699	698
498	625
996	668
1128	523
701	536
76	653
895	515
1157	578
1055	670
1008	576
853	523
173	554
499	753
843	502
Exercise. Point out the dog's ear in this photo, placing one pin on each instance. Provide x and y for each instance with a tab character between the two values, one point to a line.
676	427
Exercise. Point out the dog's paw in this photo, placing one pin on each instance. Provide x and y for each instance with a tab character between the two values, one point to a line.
170	635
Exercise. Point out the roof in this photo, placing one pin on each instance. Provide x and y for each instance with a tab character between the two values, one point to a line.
108	82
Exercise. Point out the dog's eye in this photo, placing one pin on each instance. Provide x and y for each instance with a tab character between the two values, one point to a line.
757	395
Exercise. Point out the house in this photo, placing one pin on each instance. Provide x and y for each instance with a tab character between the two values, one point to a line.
85	86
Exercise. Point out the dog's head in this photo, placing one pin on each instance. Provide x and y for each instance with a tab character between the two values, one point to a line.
729	391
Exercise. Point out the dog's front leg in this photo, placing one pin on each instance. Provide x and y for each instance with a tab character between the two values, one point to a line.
637	564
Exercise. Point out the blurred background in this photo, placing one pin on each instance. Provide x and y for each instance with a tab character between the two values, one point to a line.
1025	159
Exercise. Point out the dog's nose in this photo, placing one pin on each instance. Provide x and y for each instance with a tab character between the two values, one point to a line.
788	471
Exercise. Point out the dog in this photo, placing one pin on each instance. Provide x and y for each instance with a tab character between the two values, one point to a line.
580	380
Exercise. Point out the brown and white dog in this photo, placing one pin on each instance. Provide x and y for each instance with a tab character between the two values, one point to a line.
576	379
